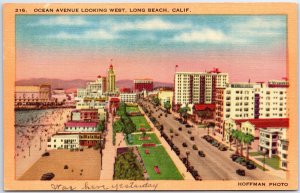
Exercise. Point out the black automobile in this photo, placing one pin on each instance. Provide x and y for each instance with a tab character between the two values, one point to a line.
180	129
250	165
184	144
192	138
201	153
45	154
47	176
188	126
241	172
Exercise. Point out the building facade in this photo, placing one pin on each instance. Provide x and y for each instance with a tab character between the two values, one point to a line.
128	97
143	84
165	96
111	80
32	95
80	126
250	101
70	141
198	87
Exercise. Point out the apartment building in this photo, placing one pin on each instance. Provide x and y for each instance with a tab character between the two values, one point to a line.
128	97
251	101
57	141
198	87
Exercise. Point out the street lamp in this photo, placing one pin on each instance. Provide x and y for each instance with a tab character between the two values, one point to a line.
264	151
187	160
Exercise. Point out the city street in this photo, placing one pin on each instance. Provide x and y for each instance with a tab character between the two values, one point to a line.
216	165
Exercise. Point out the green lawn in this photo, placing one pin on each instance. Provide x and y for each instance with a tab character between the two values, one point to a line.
272	162
140	122
137	141
159	157
255	154
130	109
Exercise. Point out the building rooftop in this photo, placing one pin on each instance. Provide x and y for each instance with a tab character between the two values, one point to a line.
27	89
264	123
80	124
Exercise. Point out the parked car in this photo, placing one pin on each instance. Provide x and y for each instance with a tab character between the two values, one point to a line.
180	129
222	148
195	147
192	138
234	156
201	153
241	172
45	154
188	126
184	144
250	165
47	176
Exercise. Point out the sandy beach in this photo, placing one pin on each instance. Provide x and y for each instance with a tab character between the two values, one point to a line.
33	128
82	165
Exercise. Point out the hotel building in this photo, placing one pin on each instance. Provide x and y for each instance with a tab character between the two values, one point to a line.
111	80
251	101
198	87
128	97
94	89
143	84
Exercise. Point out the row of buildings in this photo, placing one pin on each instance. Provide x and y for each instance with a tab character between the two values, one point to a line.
257	108
82	130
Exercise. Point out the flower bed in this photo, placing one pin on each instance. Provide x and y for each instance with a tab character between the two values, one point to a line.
149	145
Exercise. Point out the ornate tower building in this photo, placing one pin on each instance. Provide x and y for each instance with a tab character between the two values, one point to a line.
111	80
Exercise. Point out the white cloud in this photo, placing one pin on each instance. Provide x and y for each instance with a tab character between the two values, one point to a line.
201	36
62	21
259	27
153	24
92	34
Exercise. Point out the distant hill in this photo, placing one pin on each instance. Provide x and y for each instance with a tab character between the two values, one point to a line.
79	83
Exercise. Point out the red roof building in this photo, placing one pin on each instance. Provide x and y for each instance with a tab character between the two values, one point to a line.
80	124
265	123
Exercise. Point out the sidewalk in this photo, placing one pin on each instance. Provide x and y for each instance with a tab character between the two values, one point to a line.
180	166
109	154
270	170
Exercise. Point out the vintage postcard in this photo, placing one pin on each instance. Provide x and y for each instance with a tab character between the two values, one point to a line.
165	96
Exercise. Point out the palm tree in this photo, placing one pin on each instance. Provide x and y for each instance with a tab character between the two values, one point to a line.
156	101
183	111
210	125
167	106
235	134
229	131
248	140
241	137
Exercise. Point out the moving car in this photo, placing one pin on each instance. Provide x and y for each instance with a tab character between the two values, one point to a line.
47	176
195	147
45	154
184	144
201	153
192	138
241	172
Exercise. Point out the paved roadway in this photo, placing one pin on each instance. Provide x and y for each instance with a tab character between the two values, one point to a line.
217	165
